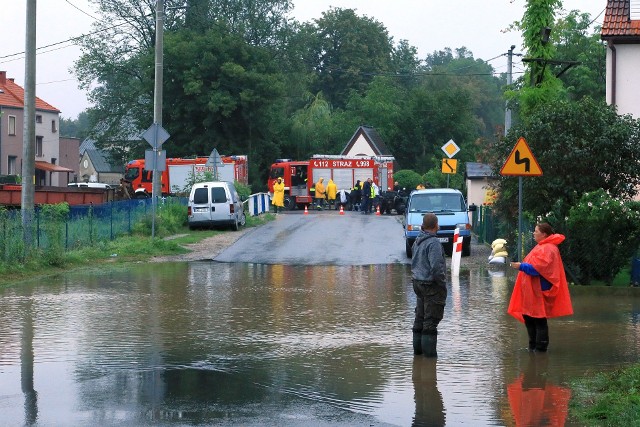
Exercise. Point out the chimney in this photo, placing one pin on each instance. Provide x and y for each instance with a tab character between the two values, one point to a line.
3	77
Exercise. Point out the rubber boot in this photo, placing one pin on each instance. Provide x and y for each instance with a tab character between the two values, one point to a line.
542	338
417	343
429	343
531	331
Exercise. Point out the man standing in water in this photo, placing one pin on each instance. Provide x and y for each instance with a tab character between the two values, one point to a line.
428	272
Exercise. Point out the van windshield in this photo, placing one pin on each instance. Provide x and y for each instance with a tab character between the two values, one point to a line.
436	203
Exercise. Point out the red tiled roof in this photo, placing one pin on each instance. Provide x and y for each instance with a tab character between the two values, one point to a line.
617	21
12	95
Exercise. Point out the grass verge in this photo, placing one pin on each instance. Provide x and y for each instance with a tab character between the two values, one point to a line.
130	248
607	399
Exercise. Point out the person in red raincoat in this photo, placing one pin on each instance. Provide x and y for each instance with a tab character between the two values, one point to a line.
541	291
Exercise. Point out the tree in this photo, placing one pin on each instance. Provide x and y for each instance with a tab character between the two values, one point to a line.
581	147
574	43
346	51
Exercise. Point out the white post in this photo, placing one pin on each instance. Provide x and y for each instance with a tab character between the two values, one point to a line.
456	253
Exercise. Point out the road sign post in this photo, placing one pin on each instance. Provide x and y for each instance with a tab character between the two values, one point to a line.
156	135
521	162
449	166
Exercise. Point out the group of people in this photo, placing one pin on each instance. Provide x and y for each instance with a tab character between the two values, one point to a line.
541	291
364	196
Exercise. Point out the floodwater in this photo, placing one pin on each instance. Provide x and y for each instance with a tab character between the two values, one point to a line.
209	343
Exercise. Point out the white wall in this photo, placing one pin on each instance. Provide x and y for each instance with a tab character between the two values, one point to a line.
627	78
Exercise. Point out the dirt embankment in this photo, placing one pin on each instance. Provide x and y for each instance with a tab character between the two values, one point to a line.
206	249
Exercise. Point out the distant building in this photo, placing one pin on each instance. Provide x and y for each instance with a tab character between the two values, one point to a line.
479	178
49	170
95	165
366	142
621	31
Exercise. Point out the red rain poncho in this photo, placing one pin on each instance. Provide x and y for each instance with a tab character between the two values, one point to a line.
528	297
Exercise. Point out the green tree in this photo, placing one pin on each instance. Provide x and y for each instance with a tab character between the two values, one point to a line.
76	128
345	51
574	42
580	147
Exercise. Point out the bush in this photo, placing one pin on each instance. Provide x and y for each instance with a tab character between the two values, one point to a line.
407	179
602	235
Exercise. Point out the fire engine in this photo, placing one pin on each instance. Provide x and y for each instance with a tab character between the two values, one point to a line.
179	173
300	176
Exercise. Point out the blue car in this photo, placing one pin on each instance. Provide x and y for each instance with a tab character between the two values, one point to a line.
450	207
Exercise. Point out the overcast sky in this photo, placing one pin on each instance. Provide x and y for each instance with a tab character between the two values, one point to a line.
430	25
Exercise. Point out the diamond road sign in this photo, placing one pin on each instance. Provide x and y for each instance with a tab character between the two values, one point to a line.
156	135
450	148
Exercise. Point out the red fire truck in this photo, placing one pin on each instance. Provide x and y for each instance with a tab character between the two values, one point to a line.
179	173
299	176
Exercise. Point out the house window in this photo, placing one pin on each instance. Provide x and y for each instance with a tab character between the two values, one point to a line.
12	125
38	118
38	146
54	126
12	165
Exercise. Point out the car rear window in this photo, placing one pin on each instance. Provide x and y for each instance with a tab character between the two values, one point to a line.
218	195
200	196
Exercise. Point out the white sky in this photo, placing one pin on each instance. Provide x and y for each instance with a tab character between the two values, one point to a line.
429	25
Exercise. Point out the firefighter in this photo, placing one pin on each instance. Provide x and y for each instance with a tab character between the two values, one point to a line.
332	191
321	193
278	195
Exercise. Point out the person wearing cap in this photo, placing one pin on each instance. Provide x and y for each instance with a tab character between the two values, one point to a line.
278	194
428	276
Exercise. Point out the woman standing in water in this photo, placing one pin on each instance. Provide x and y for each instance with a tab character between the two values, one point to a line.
541	291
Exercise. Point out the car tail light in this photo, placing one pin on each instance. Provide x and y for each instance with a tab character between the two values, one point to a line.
232	208
189	211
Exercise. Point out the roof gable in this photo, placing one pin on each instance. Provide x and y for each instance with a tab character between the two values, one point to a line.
618	23
372	138
12	95
100	161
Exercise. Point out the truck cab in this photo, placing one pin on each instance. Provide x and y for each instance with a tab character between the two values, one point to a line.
452	212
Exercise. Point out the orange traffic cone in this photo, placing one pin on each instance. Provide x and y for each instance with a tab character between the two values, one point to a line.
306	211
341	210
378	211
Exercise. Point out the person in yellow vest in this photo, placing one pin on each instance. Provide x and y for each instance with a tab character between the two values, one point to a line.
332	192
321	193
278	195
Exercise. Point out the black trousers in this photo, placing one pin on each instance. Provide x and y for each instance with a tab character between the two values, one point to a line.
430	302
538	331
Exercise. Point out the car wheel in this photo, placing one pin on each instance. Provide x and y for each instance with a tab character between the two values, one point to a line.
408	248
288	203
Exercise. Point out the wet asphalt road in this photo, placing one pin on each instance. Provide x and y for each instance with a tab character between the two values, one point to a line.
322	238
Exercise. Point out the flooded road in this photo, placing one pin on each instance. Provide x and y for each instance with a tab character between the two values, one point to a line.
209	343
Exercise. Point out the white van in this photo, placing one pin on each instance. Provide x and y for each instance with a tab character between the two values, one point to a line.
215	203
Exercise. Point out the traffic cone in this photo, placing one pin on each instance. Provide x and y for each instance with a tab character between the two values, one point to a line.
378	211
306	211
341	210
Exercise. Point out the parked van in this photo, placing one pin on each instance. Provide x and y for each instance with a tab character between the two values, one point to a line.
213	204
451	209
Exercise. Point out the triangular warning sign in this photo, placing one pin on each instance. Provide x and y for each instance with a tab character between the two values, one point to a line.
521	161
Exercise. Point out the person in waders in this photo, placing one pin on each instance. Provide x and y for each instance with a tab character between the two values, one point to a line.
541	290
428	273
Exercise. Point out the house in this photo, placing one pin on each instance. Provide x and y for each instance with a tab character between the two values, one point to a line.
95	165
366	142
621	32
478	179
47	144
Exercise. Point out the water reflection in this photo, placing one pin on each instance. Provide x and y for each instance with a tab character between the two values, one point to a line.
246	344
536	401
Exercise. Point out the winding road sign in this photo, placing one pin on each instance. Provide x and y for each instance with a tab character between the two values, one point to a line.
521	161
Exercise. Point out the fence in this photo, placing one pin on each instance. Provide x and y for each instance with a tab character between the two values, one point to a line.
585	260
84	226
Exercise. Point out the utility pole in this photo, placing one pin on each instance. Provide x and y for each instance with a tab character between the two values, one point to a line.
29	126
157	106
507	112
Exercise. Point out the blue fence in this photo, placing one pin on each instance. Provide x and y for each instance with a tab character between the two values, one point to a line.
258	203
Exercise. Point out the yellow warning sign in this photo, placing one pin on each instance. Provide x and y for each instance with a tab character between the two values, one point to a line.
449	165
521	161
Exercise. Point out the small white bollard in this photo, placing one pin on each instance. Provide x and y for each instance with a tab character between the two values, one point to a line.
456	253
